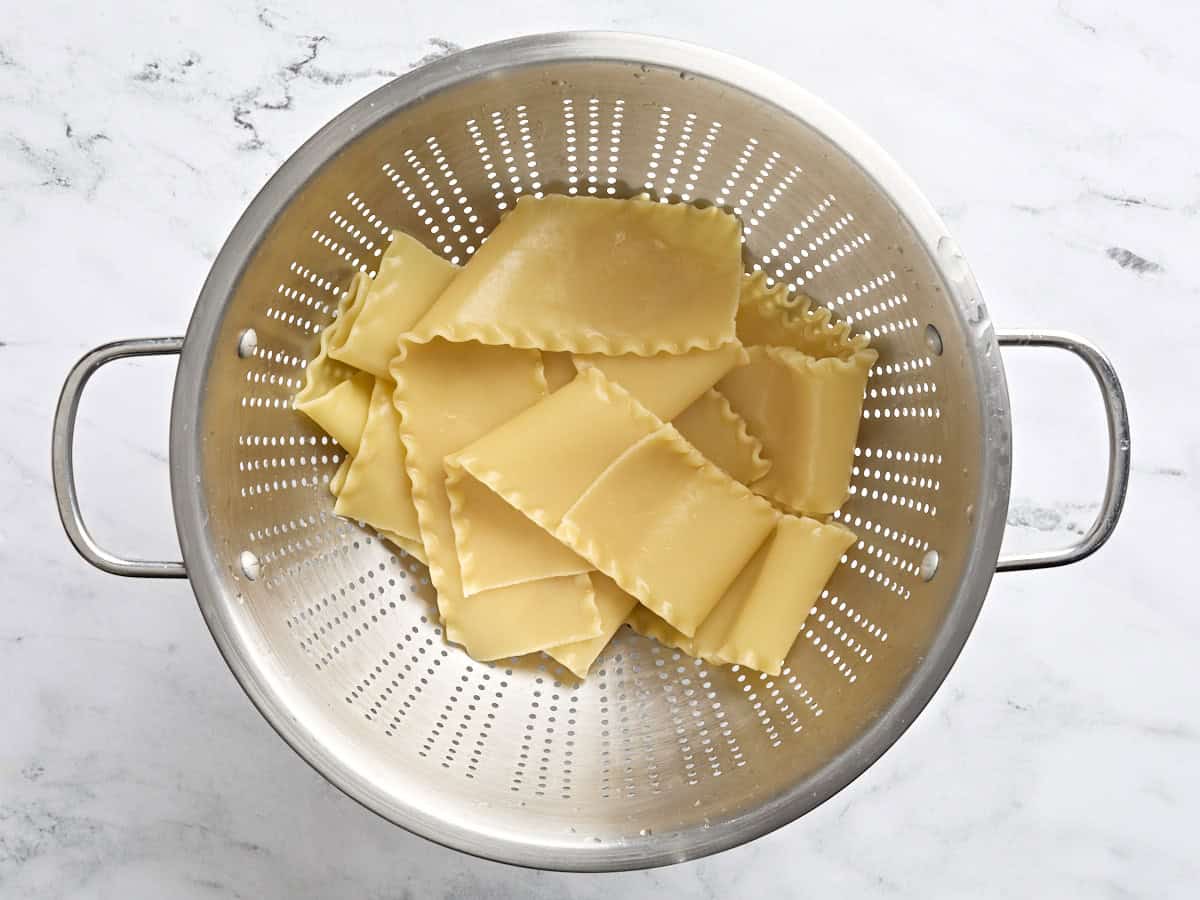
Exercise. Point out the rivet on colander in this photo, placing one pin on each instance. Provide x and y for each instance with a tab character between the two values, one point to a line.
247	343
251	567
929	565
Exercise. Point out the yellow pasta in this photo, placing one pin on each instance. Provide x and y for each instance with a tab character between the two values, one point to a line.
796	563
448	395
342	410
336	396
410	279
614	606
526	618
582	427
712	427
559	369
593	275
543	459
572	462
497	545
667	383
769	317
655	511
647	624
410	546
339	476
376	488
413	548
805	411
711	634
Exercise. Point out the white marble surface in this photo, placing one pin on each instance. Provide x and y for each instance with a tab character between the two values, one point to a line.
1059	141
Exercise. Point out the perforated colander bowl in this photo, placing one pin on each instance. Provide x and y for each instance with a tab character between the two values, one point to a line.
656	757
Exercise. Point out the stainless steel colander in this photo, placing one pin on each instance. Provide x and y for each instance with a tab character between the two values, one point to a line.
656	757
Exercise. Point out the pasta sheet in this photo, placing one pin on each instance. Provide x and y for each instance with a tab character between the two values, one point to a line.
415	549
614	605
805	411
647	624
768	316
376	488
712	427
543	459
410	546
559	369
449	394
594	275
655	512
768	610
759	617
666	384
410	279
336	396
497	545
627	493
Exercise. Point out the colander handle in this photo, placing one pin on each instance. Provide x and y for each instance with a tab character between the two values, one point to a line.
1118	449
62	456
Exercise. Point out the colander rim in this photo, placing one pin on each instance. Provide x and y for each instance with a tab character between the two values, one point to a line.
187	439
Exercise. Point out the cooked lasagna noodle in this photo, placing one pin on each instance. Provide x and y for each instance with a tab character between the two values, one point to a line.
667	383
410	279
646	623
597	276
449	394
796	561
597	421
497	545
614	606
558	367
687	510
721	435
376	489
805	411
770	317
337	396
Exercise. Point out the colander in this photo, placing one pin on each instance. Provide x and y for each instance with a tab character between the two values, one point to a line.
656	757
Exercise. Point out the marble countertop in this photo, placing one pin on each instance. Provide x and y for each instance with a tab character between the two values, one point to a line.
1061	756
